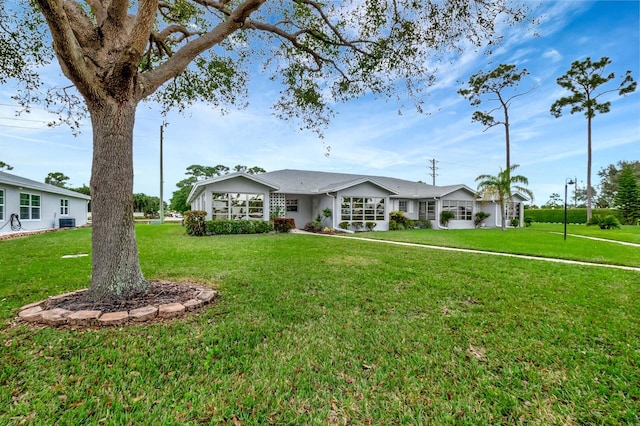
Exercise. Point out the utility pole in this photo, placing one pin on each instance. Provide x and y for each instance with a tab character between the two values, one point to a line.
161	178
433	170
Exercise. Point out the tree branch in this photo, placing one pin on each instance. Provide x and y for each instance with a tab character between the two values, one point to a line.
176	64
67	47
98	10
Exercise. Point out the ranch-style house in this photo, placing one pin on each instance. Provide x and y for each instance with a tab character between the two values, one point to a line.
303	195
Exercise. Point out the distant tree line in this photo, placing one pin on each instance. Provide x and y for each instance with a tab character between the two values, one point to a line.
619	189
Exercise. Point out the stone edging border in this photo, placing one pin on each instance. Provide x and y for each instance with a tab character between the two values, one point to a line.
36	314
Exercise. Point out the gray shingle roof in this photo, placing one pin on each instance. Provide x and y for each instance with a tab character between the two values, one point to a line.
13	180
311	182
289	181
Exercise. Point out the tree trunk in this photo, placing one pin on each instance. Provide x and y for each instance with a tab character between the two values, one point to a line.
115	266
508	161
589	194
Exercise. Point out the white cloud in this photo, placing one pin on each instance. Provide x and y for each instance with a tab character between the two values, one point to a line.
552	54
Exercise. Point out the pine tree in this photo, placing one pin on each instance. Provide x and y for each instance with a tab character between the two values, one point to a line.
627	198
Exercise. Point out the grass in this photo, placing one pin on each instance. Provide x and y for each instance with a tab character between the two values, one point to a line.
544	240
318	330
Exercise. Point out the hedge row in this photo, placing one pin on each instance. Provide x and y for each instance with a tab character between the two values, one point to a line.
226	227
573	215
197	226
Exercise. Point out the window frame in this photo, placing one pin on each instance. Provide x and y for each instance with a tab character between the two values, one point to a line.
291	205
362	209
64	207
462	210
237	206
2	204
429	212
31	207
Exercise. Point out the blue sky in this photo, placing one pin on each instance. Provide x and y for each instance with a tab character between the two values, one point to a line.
368	135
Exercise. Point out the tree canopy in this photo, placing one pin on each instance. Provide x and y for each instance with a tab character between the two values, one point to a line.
57	179
498	86
609	177
627	198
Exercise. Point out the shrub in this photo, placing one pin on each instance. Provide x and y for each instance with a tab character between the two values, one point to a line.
194	222
480	217
344	225
515	222
370	225
230	227
423	224
357	225
283	224
400	220
446	216
393	225
263	226
604	222
276	211
527	221
314	226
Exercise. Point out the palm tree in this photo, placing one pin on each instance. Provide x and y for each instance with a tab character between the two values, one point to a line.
500	188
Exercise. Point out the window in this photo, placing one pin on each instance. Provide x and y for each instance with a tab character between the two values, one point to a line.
64	207
1	204
402	206
362	209
292	205
227	206
427	210
512	213
29	207
463	210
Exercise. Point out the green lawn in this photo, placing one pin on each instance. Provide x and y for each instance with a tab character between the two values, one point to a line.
317	330
546	240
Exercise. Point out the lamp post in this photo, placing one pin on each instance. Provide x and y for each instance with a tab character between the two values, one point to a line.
567	182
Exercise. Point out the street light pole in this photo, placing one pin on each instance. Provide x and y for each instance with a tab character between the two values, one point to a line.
161	177
567	182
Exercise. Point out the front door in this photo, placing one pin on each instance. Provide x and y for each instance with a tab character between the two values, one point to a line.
422	210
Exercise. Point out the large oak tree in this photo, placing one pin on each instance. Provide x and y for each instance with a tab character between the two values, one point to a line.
120	52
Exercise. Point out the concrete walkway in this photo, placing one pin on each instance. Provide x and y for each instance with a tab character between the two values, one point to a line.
624	243
493	253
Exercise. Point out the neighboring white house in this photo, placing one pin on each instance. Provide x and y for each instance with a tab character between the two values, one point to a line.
28	205
302	195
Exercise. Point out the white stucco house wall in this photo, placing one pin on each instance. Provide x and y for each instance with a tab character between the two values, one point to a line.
302	195
29	205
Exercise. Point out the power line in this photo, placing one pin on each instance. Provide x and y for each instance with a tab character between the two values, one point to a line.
22	119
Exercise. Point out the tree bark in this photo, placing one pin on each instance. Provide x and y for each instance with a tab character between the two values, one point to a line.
115	266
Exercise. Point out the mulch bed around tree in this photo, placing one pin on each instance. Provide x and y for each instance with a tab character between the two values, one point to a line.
158	293
163	300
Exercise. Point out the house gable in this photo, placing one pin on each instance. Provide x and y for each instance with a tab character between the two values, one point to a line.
462	193
234	182
364	189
